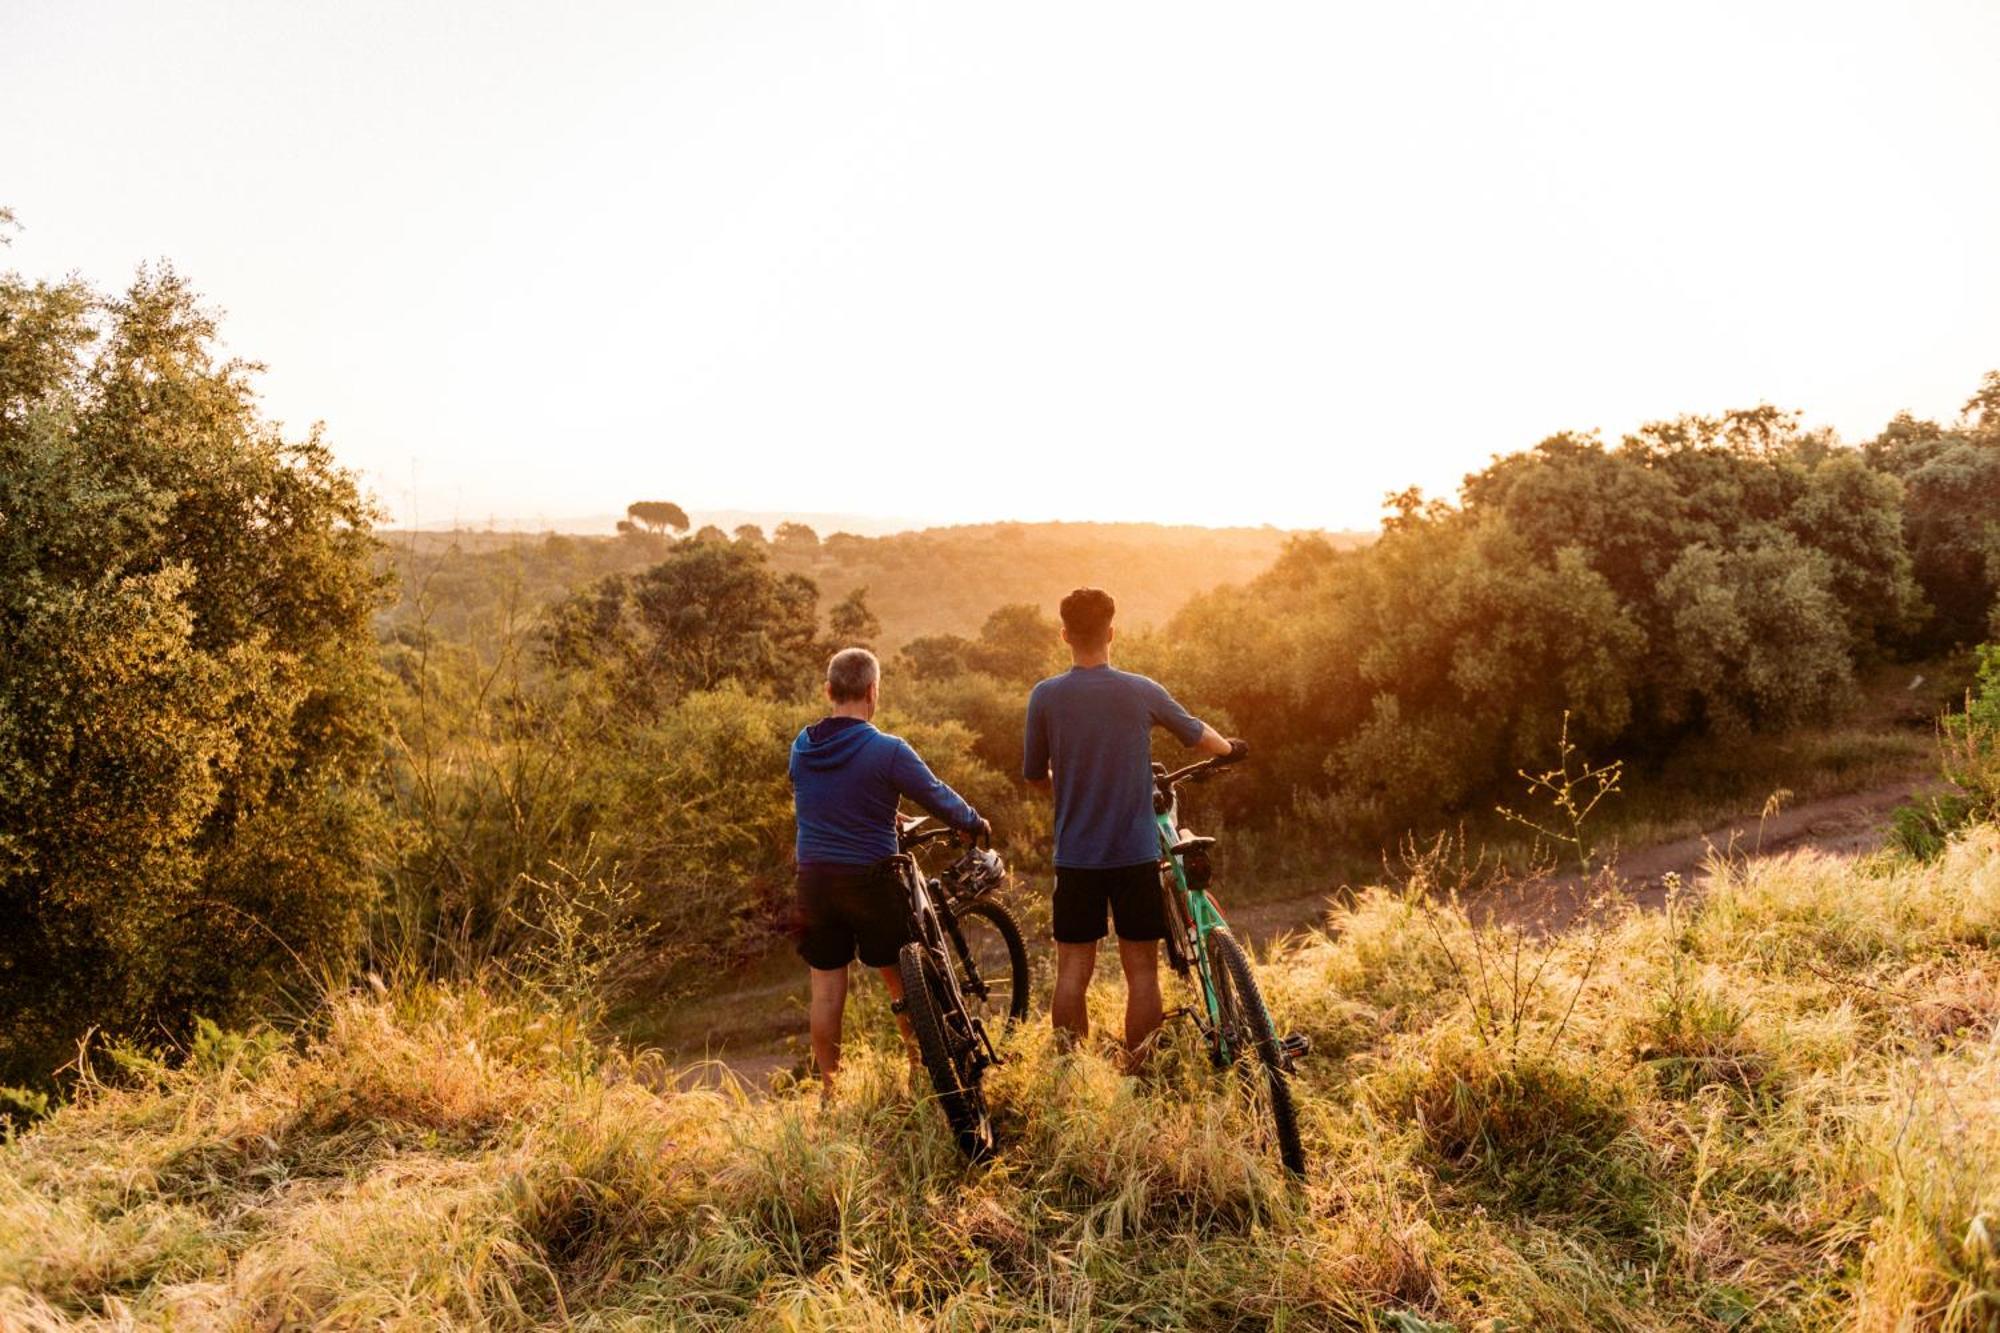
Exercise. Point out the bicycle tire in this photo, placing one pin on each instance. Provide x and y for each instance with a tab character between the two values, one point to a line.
964	1107
1009	931
1253	1018
1177	923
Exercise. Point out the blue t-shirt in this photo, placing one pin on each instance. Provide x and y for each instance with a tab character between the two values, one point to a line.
1094	725
846	778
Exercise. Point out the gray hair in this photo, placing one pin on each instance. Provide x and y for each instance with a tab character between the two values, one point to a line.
850	673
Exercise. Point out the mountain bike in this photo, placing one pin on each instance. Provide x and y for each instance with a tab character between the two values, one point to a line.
966	966
1228	1008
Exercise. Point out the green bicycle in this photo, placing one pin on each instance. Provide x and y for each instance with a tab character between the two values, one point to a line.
1228	1008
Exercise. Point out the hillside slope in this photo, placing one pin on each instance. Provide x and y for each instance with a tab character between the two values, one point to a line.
937	581
1777	1107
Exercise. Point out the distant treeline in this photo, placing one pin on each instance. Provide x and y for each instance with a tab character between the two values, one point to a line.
470	585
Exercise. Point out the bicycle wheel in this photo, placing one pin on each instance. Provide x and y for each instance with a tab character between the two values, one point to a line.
1247	1023
994	951
947	1054
1177	923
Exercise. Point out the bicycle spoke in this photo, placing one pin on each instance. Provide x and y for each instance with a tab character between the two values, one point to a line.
990	961
996	956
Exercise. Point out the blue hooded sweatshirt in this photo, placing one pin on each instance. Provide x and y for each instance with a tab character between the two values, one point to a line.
846	777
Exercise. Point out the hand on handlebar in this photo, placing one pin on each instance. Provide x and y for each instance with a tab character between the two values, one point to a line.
981	833
1239	750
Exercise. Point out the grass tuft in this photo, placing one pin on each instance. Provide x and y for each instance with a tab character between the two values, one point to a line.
1539	1131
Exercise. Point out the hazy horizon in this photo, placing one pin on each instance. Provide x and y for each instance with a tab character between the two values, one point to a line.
1114	263
859	525
604	522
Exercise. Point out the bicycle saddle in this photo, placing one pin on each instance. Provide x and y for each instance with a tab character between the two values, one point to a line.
1186	845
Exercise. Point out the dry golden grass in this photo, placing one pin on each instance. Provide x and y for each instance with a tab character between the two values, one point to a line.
1777	1107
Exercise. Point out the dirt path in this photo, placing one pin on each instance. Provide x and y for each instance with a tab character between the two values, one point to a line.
1844	825
1847	824
759	1027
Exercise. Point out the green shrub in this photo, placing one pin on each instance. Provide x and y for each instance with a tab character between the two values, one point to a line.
1969	750
189	707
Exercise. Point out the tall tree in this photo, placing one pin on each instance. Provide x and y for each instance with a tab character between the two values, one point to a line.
853	624
1017	643
934	656
796	534
189	709
1951	512
710	614
1757	635
657	515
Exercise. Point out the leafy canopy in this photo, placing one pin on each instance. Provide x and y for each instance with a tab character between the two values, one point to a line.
189	707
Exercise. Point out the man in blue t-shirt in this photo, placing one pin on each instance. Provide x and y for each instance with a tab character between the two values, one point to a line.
846	780
1093	727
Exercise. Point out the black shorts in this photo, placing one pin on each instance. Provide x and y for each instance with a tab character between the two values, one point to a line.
842	910
1131	892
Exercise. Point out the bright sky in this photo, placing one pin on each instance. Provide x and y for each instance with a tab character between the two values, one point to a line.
1225	263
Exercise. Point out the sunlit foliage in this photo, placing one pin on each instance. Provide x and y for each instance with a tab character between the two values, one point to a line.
189	706
1706	575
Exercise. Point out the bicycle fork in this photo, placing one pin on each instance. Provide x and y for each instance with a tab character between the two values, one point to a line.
972	1032
973	981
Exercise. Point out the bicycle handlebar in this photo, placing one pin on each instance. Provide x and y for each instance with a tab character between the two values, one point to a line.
1195	772
911	839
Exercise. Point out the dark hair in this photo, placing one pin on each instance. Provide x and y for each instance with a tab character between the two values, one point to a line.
850	673
1086	614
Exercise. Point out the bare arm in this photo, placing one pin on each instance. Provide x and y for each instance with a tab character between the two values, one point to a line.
1167	712
1036	769
1212	742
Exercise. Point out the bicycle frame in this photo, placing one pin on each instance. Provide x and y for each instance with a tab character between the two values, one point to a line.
1201	916
936	929
1232	982
927	922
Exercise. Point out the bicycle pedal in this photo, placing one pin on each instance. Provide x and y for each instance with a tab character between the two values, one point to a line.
1294	1046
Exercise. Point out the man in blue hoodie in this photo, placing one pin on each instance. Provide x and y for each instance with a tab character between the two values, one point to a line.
846	780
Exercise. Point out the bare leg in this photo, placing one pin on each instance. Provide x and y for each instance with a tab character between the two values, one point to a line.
1068	1008
1141	961
893	979
823	1011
